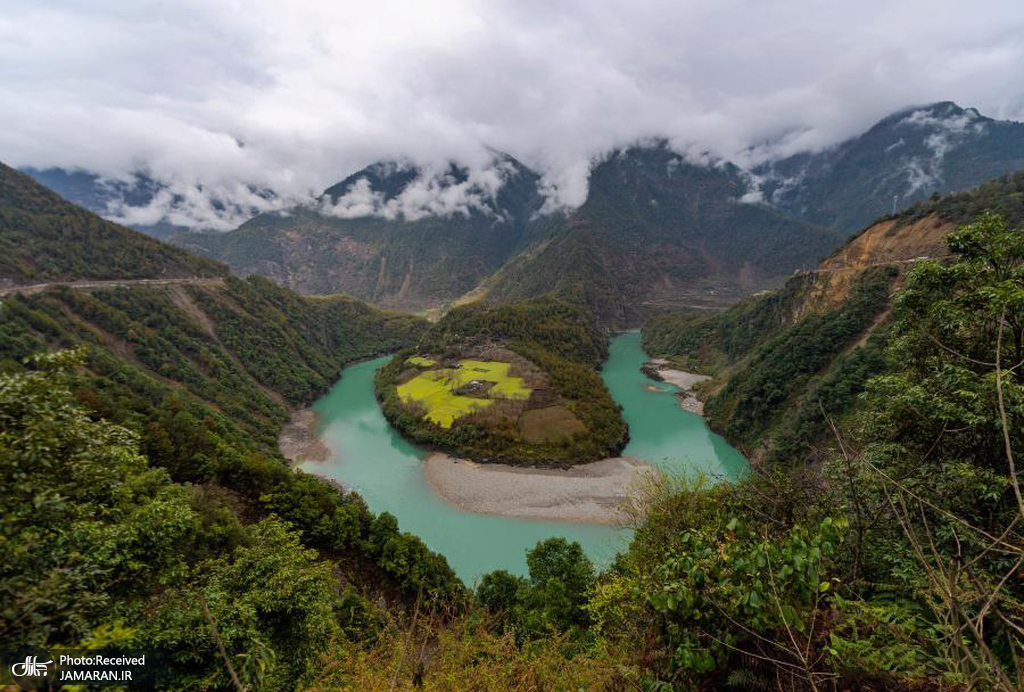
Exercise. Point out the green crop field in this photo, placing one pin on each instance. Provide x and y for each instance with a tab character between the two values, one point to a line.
435	389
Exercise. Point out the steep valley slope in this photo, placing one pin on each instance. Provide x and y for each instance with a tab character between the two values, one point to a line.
203	373
786	362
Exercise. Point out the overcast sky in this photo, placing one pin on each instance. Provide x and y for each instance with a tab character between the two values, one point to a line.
296	94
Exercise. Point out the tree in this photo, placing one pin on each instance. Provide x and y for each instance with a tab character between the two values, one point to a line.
940	487
561	581
86	526
500	591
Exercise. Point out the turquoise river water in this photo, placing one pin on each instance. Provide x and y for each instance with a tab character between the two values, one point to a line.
369	457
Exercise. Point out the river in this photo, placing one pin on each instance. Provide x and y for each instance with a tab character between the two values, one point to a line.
369	457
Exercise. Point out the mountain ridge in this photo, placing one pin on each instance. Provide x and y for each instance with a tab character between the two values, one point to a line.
45	237
657	230
911	155
696	215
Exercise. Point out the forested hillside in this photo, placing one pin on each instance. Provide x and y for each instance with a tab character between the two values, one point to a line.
657	230
204	375
780	365
145	419
44	238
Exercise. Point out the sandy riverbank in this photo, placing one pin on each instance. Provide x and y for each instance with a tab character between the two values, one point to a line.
590	493
685	381
298	442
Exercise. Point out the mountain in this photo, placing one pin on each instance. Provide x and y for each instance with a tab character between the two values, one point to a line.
657	230
393	233
43	237
906	157
103	196
654	227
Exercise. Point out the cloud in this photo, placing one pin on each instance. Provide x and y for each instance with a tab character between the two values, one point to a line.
433	192
216	98
946	132
220	207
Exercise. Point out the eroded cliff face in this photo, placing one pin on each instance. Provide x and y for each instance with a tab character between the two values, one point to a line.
891	242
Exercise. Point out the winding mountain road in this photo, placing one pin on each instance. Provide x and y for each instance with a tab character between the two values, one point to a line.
869	265
29	289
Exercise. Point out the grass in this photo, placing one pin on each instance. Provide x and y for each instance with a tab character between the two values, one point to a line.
435	389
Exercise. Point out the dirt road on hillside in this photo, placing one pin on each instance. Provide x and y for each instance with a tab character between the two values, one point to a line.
29	289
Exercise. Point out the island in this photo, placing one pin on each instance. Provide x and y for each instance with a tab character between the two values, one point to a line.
515	384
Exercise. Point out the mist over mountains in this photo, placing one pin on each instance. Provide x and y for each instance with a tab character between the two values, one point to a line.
658	227
909	155
906	157
156	207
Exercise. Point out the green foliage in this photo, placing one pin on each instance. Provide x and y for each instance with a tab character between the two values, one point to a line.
716	585
296	345
44	238
933	467
553	599
831	397
273	603
728	574
786	362
559	328
561	579
86	524
1004	196
501	593
948	335
203	413
887	636
102	549
708	342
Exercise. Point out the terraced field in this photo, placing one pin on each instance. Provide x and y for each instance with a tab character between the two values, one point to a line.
449	393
